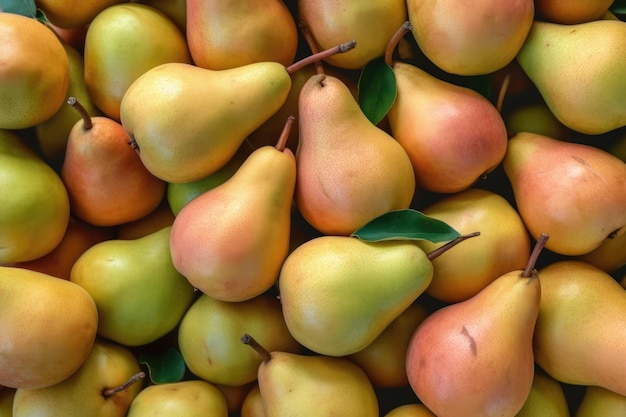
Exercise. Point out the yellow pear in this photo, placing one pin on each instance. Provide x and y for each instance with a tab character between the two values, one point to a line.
579	336
193	398
410	410
73	13
572	12
253	404
6	401
47	328
174	9
546	398
609	256
598	401
103	386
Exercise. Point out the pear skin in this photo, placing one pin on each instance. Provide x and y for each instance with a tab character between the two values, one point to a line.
546	398
598	401
382	278
574	12
252	405
574	192
410	410
579	336
453	364
73	13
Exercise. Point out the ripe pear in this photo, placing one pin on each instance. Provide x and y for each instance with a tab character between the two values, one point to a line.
105	179
6	401
252	405
34	72
192	398
579	336
302	385
139	294
174	9
231	240
609	256
349	170
209	334
574	12
410	410
35	207
468	38
122	42
503	244
158	219
598	401
544	172
580	71
103	386
546	398
435	122
73	13
453	364
230	34
382	280
47	328
535	118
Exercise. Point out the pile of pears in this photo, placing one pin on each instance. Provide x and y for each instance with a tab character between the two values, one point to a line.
192	176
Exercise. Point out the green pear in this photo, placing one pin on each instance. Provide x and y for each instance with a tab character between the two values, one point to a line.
410	410
293	384
48	328
453	364
574	192
546	398
435	122
139	294
580	71
103	386
470	38
208	337
349	170
6	401
231	240
174	9
122	42
598	401
193	398
535	118
35	207
339	293
579	336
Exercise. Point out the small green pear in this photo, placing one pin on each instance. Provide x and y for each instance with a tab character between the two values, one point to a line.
598	401
139	294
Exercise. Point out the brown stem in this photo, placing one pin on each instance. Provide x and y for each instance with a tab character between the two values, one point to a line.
503	89
435	253
284	135
87	123
532	260
395	39
339	49
112	391
249	340
306	33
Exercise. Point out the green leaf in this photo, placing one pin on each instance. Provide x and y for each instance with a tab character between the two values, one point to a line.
376	89
406	224
164	366
23	7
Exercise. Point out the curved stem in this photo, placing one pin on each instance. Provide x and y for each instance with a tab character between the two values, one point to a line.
284	135
339	49
435	253
87	123
306	33
395	39
112	391
532	260
503	89
249	340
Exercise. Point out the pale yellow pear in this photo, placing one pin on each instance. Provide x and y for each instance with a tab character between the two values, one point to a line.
597	401
410	410
546	398
579	335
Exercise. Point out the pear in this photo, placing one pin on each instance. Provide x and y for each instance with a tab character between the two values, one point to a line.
193	398
158	219
535	118
349	170
139	294
234	395
609	256
453	365
598	401
579	336
467	38
231	240
72	13
546	398
34	72
381	278
301	385
574	192
208	337
410	410
580	71
47	328
103	386
6	401
252	405
105	179
230	34
176	10
35	206
578	11
122	42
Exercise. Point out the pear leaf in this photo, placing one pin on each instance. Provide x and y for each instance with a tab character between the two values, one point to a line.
164	366
407	224
376	89
22	7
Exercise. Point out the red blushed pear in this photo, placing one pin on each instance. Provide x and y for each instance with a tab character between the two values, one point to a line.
230	242
105	179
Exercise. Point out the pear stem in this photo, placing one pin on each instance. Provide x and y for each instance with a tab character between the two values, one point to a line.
284	135
306	33
112	391
435	253
502	93
249	340
395	39
87	123
339	49
532	260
